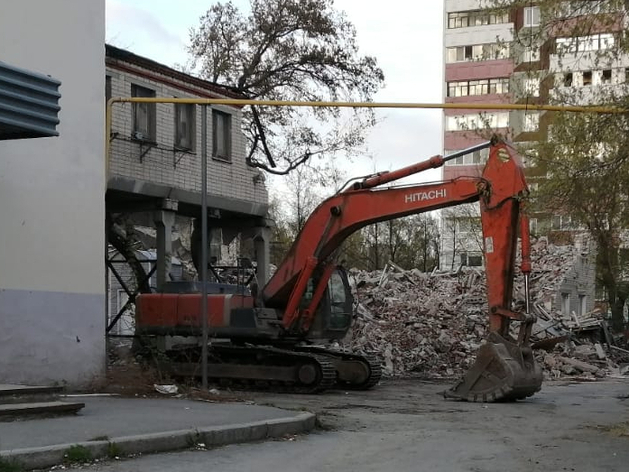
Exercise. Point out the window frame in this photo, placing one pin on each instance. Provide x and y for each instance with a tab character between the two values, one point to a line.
226	156
189	111
531	54
465	88
532	86
568	79
593	42
150	112
471	18
529	14
588	78
531	122
607	77
477	52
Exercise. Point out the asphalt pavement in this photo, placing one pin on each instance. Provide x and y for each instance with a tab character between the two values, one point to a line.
407	425
109	425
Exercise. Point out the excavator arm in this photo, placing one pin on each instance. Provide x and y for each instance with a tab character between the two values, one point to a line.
500	189
340	216
505	368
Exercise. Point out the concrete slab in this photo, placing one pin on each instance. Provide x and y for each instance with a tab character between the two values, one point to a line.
11	389
39	408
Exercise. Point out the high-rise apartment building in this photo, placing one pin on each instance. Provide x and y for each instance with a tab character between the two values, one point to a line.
506	57
478	67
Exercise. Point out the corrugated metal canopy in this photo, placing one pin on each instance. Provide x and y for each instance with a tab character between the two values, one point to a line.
29	104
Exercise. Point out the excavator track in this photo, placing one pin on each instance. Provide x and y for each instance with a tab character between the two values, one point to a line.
354	371
256	367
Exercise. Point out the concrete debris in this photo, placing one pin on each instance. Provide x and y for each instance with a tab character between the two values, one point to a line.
432	324
166	389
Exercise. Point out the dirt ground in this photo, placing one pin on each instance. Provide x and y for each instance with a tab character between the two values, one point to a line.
567	426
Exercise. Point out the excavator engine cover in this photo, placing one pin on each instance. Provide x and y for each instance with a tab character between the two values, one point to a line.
503	371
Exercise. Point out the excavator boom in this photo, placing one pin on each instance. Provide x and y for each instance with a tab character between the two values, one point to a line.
505	368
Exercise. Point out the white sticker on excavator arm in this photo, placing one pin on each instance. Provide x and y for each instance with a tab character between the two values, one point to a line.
489	245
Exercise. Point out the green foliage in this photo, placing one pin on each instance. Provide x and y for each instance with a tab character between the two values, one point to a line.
587	161
10	466
113	450
77	454
288	50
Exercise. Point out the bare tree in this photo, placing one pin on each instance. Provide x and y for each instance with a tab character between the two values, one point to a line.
289	50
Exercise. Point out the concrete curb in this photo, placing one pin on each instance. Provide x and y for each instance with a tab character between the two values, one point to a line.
49	456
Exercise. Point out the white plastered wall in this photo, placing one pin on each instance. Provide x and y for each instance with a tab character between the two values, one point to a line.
52	288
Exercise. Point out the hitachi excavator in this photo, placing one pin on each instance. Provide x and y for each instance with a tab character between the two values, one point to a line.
276	335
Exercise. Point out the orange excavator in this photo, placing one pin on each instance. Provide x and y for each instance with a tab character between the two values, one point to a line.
276	335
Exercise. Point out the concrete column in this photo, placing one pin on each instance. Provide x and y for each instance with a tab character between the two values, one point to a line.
164	221
195	247
261	245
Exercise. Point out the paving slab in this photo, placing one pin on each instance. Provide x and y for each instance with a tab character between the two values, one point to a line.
39	408
12	389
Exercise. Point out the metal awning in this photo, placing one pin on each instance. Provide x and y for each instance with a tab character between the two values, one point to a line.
29	104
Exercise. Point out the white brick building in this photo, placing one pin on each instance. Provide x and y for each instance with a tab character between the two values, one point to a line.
156	148
154	164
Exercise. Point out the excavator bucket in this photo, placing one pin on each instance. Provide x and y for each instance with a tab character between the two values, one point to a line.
503	371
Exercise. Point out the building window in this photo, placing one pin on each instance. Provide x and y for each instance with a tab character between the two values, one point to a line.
531	87
531	16
593	42
531	122
530	55
583	304
221	137
587	78
468	225
567	79
565	303
499	85
565	45
561	223
471	259
473	158
477	52
474	121
185	126
606	76
478	87
464	19
143	115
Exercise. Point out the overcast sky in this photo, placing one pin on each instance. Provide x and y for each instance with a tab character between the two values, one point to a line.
404	35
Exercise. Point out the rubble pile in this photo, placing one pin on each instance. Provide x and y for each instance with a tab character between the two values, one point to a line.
423	323
432	324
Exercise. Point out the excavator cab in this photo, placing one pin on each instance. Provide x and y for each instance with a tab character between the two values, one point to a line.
334	313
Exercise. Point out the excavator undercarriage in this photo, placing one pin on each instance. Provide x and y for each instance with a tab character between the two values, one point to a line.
300	369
